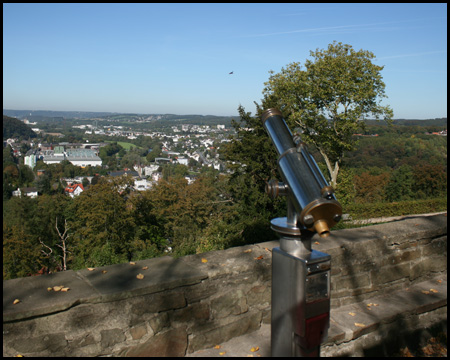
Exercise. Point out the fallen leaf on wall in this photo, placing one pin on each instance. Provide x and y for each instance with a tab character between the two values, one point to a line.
222	353
145	268
217	347
253	349
16	301
132	263
204	260
352	313
359	325
91	269
259	257
140	276
248	250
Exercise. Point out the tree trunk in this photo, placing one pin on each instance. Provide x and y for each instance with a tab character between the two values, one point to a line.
333	171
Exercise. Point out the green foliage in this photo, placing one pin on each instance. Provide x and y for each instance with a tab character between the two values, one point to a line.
400	185
328	100
14	128
402	171
382	209
429	181
100	220
396	148
21	254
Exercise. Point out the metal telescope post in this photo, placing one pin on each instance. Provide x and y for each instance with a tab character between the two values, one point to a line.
300	275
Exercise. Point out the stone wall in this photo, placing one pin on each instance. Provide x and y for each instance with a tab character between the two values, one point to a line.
197	301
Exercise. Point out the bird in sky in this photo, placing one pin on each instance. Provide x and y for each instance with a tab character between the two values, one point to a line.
230	73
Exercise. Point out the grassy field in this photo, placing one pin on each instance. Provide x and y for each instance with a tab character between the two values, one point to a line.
126	145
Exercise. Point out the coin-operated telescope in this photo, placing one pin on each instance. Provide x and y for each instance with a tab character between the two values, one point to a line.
300	275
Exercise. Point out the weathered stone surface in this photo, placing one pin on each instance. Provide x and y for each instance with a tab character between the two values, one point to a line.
436	247
231	303
49	342
36	300
259	295
159	302
159	322
138	331
387	274
85	340
245	324
111	337
172	343
120	282
197	312
351	282
428	264
211	301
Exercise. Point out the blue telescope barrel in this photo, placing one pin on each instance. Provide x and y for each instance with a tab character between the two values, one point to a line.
312	197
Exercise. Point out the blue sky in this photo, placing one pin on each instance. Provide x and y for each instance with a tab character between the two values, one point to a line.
176	58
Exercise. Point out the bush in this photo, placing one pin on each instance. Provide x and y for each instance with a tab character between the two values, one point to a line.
379	209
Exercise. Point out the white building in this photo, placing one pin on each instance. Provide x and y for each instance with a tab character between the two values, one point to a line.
183	161
142	185
78	157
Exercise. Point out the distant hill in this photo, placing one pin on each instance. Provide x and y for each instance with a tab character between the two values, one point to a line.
42	115
14	128
411	122
31	114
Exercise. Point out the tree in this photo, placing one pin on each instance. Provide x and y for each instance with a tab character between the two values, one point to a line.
101	224
48	251
253	161
369	187
400	184
329	99
430	181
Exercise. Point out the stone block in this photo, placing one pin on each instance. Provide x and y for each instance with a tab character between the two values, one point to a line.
109	338
159	322
198	312
259	295
233	302
138	331
200	291
85	316
350	282
381	276
400	256
82	341
172	343
154	303
427	265
436	247
50	343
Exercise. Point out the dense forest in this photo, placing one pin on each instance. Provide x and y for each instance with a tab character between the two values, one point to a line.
14	128
402	170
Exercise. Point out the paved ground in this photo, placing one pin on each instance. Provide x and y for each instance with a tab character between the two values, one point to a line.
241	346
347	322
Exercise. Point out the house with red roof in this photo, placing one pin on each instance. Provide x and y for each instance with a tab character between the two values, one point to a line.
74	189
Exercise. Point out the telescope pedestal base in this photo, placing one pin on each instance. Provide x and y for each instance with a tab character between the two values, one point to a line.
300	301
